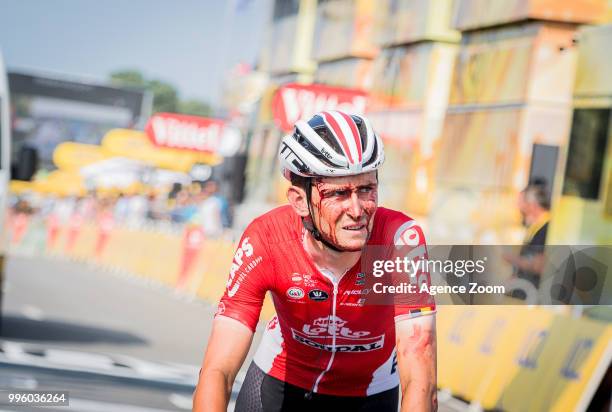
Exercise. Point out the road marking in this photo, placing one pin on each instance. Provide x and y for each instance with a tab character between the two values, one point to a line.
32	313
19	382
108	365
181	401
14	351
159	370
81	359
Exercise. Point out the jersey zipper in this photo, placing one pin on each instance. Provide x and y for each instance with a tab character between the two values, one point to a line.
315	388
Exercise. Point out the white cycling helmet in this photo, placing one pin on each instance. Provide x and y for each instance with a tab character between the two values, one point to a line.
332	143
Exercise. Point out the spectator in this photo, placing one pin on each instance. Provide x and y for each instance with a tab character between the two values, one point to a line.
534	207
211	210
184	208
121	208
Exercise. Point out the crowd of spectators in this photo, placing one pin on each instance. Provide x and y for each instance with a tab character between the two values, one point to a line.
197	204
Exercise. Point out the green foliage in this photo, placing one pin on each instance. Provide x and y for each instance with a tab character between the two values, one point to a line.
165	95
195	107
128	78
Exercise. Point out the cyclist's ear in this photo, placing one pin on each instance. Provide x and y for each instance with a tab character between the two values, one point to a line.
298	200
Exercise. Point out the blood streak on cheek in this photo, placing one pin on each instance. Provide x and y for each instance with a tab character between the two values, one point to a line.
328	211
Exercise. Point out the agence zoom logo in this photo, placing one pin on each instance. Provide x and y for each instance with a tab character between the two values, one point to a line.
317	294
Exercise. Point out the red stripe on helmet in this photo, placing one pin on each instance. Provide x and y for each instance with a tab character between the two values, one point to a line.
338	132
355	132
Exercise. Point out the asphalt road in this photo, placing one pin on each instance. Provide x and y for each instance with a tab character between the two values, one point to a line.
72	305
115	342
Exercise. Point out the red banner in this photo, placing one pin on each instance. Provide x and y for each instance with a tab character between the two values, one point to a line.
293	102
180	131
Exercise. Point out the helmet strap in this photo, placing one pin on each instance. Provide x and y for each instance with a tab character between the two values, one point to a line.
309	223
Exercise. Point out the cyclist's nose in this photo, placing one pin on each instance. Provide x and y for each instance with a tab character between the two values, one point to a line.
354	208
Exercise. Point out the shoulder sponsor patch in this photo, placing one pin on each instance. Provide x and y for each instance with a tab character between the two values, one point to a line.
408	234
242	265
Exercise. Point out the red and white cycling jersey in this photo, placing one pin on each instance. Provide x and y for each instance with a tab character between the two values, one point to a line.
323	337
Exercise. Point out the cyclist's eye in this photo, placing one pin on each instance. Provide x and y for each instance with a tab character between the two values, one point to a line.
367	190
340	193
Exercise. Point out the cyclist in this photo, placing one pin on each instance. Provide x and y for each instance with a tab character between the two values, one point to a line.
325	349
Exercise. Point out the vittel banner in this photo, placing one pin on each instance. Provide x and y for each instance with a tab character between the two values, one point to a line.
293	102
201	134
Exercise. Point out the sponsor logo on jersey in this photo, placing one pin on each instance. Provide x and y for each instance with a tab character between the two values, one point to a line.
356	292
321	332
241	267
309	280
317	294
295	292
358	304
360	282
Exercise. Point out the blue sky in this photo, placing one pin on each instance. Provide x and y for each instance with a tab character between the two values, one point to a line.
189	43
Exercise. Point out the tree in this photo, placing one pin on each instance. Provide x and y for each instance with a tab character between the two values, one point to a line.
128	78
165	95
195	107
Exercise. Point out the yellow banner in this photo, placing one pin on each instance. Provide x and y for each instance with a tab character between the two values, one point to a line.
71	156
521	358
136	145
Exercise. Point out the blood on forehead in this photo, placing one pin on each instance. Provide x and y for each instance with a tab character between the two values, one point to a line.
348	182
326	187
326	190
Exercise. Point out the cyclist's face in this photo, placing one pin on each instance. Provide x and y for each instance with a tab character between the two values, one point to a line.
344	208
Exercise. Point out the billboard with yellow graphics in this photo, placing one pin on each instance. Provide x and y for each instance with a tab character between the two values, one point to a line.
351	73
345	29
592	74
583	212
530	61
521	358
412	76
483	160
474	14
407	21
562	368
289	42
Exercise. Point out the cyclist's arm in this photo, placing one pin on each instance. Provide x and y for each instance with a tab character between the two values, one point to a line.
229	344
251	275
416	359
